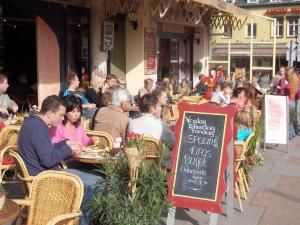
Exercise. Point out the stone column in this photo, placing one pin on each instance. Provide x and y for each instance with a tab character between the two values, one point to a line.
97	16
135	50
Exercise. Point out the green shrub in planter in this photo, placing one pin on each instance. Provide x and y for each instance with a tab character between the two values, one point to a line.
114	205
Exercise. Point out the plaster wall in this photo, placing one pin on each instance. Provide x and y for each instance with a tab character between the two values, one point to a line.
48	74
135	74
97	16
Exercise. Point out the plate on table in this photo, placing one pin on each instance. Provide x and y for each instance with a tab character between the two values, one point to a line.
95	149
92	155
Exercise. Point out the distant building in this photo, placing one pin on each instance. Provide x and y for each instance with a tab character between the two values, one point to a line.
287	13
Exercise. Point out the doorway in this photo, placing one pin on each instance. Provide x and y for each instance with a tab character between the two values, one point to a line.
175	58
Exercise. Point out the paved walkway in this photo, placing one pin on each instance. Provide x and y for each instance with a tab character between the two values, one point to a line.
274	198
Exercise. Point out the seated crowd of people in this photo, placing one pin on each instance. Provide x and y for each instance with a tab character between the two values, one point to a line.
57	133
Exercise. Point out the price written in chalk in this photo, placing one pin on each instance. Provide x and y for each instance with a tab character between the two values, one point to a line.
201	142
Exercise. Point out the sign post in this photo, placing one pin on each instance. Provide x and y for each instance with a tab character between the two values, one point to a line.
200	158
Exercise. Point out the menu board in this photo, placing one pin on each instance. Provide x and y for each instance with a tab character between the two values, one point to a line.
150	51
198	162
200	156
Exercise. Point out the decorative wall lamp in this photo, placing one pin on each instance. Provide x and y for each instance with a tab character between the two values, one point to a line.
132	18
197	37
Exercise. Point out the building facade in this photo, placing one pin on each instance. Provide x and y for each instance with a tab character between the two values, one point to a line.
287	15
133	39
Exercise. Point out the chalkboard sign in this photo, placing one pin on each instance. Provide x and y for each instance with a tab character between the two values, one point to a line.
200	156
198	161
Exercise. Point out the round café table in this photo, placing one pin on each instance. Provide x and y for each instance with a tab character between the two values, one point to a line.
9	212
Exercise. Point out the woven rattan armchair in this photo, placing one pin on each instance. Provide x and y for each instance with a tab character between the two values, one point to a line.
4	155
105	139
151	147
239	185
20	167
55	198
9	136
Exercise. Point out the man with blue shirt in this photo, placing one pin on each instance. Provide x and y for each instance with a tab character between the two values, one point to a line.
34	142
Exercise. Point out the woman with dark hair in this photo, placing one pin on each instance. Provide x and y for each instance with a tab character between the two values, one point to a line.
71	128
239	98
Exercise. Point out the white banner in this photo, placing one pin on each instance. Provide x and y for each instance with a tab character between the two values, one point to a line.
276	126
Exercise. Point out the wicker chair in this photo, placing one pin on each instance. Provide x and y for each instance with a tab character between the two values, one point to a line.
55	198
150	149
239	186
105	139
20	167
9	136
257	115
3	167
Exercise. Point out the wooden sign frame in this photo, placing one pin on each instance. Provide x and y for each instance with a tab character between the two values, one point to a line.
212	205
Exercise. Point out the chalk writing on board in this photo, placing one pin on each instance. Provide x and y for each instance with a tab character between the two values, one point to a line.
198	161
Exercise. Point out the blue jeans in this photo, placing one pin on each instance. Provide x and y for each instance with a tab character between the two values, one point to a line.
89	179
292	108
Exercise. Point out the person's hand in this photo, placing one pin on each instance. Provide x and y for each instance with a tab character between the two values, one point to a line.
134	108
74	145
14	108
90	105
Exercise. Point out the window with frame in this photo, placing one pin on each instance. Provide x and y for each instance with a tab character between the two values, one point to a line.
248	30
227	31
292	26
279	27
252	1
272	1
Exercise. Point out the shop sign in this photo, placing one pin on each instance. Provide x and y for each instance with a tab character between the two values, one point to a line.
283	11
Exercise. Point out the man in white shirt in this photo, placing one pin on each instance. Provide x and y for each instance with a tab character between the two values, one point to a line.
221	95
150	124
6	103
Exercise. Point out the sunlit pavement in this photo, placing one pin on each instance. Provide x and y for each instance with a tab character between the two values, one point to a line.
274	197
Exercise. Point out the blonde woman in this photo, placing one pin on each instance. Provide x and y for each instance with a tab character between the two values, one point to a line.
242	119
291	87
94	93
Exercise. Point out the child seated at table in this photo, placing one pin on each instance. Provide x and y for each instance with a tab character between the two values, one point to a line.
242	118
71	128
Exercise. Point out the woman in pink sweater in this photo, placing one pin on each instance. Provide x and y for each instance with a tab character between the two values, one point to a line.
71	128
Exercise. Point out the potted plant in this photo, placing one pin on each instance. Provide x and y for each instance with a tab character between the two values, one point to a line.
197	67
2	196
114	203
